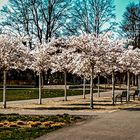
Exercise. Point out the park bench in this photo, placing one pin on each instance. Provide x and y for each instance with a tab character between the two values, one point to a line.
121	96
136	93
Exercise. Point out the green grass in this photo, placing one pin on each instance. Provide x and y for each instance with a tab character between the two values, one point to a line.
24	132
25	94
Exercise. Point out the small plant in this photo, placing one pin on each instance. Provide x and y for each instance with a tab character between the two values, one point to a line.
1	124
29	122
21	123
34	124
57	124
38	123
6	123
12	124
72	119
47	124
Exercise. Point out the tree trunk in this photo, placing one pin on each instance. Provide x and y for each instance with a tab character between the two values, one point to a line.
98	85
84	87
136	80
113	88
124	79
105	84
120	83
91	89
36	77
128	85
139	86
40	98
65	87
43	78
47	76
133	80
4	89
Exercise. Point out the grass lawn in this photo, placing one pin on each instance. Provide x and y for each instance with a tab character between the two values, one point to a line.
25	94
25	127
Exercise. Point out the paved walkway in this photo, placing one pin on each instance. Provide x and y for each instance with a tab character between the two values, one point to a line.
120	125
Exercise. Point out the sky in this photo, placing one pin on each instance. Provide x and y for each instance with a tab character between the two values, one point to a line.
120	7
3	2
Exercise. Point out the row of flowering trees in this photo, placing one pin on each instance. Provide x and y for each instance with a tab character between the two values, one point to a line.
86	55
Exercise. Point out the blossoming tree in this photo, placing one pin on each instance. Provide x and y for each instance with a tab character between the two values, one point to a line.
129	63
61	61
92	48
13	55
41	61
113	52
80	66
136	68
